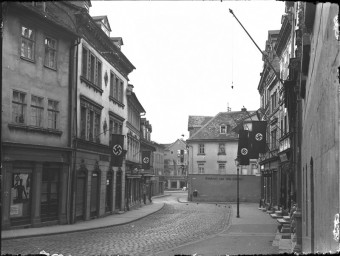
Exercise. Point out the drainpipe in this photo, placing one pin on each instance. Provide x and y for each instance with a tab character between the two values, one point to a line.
74	128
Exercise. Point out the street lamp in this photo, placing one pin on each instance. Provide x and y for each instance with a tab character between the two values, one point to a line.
238	201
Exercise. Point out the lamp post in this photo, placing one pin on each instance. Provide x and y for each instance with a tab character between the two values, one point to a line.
237	185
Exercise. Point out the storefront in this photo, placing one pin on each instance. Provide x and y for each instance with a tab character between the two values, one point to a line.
35	186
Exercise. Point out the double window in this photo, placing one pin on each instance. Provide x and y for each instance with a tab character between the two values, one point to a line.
27	51
221	149
90	114
200	168
221	168
91	67
201	149
36	110
115	127
116	88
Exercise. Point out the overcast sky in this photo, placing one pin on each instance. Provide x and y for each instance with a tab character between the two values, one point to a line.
188	54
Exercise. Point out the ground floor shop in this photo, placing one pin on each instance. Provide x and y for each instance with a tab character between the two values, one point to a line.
35	186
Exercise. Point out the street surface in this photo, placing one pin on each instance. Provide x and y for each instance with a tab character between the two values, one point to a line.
174	225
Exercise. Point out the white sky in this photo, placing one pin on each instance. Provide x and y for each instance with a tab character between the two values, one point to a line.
187	55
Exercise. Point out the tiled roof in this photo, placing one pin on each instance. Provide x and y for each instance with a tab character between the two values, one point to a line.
211	129
198	121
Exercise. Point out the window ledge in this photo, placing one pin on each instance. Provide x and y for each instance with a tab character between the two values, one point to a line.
30	128
116	102
200	154
53	69
221	154
27	59
91	85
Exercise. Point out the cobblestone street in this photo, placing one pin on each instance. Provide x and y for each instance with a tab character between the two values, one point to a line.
174	225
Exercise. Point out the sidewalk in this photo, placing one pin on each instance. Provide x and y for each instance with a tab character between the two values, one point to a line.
253	233
111	220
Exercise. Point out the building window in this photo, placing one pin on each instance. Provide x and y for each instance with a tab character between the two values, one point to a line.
222	129
221	149
244	170
90	121
273	139
201	168
91	68
50	53
201	149
112	85
27	43
19	107
53	114
37	110
221	168
254	169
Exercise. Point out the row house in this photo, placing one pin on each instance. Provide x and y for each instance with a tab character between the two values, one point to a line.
147	147
269	87
36	114
158	169
175	164
307	47
135	187
213	145
66	94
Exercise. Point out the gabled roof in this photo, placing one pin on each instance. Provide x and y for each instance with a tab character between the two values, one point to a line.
168	146
198	121
103	19
211	129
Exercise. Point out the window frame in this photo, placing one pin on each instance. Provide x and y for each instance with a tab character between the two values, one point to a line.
55	112
49	49
91	73
201	149
221	152
22	106
27	40
223	129
38	110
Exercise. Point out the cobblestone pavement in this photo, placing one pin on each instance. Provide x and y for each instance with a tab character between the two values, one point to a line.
174	225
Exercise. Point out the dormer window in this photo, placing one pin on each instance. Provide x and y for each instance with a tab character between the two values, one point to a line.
223	129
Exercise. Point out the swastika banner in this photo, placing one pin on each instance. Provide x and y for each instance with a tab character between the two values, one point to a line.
146	160
258	138
117	152
243	147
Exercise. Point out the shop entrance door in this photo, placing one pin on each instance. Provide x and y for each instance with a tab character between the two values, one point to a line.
118	189
80	195
108	200
20	209
50	193
94	194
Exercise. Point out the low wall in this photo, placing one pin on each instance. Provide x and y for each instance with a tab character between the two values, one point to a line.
223	188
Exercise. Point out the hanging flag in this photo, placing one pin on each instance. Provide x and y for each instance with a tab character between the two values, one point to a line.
146	160
243	147
258	137
117	153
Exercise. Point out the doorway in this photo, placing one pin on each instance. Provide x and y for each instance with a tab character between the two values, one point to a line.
80	195
49	210
94	203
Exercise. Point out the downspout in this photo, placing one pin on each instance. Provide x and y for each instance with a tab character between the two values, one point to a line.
74	130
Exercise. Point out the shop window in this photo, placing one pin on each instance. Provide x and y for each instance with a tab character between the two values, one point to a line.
221	168
20	209
109	190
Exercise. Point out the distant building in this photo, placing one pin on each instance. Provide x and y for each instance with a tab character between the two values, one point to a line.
213	146
175	164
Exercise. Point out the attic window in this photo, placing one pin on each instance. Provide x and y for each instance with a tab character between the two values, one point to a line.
223	129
